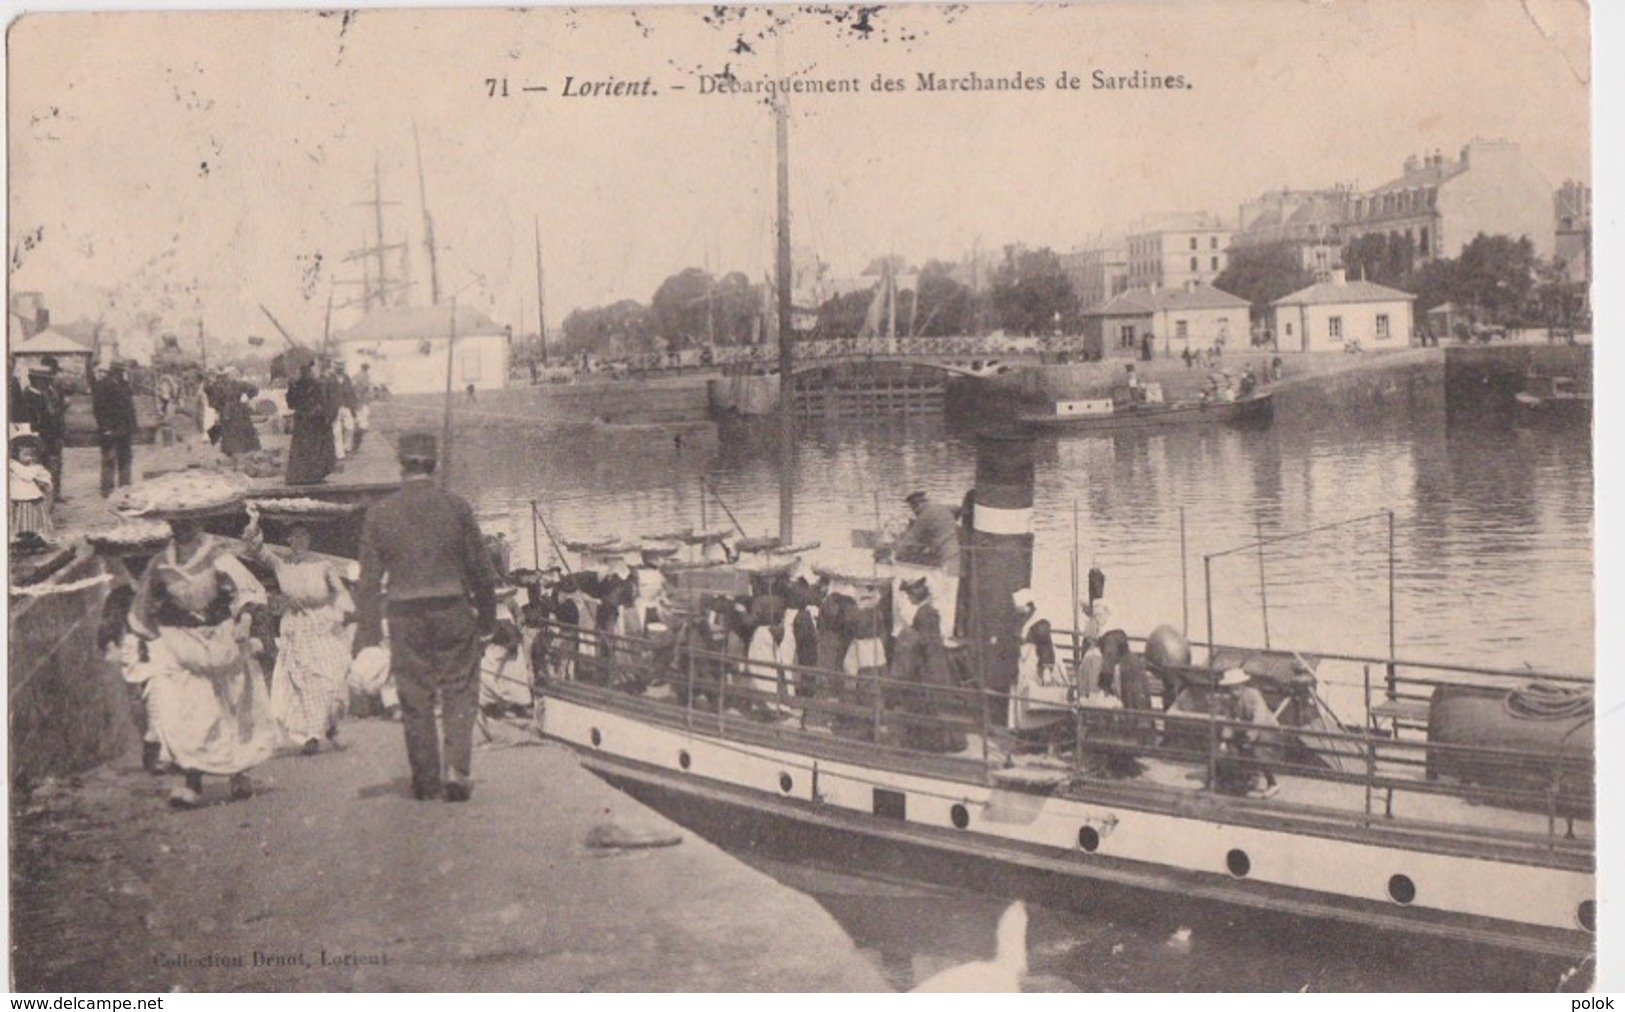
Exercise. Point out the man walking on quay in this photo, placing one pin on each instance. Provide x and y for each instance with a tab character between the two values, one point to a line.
441	605
112	402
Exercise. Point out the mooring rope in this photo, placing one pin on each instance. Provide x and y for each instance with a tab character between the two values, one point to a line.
1540	701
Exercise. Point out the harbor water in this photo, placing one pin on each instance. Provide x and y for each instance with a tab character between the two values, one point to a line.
1489	547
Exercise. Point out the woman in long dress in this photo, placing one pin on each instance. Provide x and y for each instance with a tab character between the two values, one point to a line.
228	394
309	693
206	698
311	456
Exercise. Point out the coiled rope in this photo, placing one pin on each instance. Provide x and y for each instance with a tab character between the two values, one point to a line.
1542	701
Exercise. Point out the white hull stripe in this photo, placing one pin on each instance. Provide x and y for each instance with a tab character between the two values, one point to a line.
997	520
1525	894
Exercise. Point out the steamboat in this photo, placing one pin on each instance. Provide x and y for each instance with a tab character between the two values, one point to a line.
1453	803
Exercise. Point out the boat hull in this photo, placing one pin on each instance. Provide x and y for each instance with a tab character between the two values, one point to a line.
1259	409
1207	851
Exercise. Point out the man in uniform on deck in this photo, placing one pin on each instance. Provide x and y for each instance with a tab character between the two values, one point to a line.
441	606
932	539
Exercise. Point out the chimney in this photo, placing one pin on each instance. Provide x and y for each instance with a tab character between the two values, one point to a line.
1464	149
1339	276
1412	164
42	319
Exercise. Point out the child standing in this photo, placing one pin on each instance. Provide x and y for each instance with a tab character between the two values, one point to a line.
30	486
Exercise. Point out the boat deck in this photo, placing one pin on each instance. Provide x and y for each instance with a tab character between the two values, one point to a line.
1394	802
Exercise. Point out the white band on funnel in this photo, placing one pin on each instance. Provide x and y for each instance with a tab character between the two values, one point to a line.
997	520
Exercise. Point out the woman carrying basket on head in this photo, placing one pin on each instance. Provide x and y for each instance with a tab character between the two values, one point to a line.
206	698
309	692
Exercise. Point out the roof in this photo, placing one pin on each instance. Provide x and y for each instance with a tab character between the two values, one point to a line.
1200	297
1144	302
1426	175
1134	302
50	342
418	323
1332	292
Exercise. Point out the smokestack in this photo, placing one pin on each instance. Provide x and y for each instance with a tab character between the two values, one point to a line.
1000	560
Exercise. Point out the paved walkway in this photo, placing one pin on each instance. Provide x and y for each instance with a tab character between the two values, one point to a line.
331	878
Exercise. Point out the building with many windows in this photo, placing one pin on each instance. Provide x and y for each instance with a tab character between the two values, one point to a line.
1098	272
1308	221
1330	315
1178	251
1438	206
1573	221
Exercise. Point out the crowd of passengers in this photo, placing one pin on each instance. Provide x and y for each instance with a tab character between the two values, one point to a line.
850	655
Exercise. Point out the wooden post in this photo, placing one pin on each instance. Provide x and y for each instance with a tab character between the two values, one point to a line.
787	420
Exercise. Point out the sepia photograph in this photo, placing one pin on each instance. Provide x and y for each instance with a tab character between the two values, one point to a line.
1087	497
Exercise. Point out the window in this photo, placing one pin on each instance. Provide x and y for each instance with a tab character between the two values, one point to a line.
1196	264
1213	242
1422	242
1193	242
1215	263
1334	328
1224	326
1289	329
1382	326
1182	330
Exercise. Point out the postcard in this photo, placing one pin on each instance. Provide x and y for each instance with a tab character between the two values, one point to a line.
1084	497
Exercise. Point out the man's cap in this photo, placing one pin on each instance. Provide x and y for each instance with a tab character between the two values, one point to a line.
915	588
915	498
417	446
1233	677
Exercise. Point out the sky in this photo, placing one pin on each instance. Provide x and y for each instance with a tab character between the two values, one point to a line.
198	165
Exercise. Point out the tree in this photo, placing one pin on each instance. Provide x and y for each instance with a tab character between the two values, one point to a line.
1262	274
842	316
1495	274
1031	293
1385	259
623	328
945	308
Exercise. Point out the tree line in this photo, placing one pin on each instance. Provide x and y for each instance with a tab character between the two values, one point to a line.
1028	294
1497	280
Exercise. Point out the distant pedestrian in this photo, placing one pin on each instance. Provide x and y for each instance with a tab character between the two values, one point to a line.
441	607
471	398
49	409
113	406
230	395
310	451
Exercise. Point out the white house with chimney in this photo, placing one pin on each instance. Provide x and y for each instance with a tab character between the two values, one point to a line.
1330	315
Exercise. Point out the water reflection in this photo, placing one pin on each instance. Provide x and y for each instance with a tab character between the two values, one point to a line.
1492	528
1492	555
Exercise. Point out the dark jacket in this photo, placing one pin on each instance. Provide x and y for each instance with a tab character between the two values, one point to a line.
427	542
113	403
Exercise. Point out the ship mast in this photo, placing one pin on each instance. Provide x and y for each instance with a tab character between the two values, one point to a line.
541	304
428	224
787	421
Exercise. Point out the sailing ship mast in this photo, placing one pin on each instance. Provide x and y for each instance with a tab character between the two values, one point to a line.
541	304
428	224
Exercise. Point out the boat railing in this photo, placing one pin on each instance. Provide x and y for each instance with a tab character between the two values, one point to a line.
721	691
